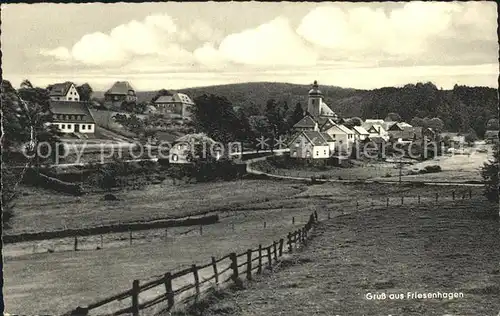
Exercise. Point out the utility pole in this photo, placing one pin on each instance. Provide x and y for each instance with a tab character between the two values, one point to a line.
400	169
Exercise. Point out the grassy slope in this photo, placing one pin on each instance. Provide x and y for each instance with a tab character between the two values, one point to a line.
449	247
54	282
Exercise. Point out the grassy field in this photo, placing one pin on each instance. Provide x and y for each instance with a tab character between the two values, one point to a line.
444	247
42	210
55	282
454	168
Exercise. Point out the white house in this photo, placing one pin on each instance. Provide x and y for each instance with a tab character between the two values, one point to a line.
377	130
188	147
72	117
65	91
340	134
360	133
309	144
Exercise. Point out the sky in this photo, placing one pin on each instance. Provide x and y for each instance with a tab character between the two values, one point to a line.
176	45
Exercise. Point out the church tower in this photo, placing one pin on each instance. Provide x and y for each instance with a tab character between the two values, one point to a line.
315	100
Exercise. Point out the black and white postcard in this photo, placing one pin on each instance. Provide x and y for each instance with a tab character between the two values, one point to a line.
250	158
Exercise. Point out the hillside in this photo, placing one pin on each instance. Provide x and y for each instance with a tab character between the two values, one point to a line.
461	108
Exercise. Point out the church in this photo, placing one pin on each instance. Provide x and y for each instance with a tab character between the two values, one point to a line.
320	133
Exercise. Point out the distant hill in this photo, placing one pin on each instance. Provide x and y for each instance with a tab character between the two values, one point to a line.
460	108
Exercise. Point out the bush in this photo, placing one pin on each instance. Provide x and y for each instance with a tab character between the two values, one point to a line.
489	172
431	169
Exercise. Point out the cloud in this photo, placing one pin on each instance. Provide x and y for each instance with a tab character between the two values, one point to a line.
408	31
61	53
208	56
270	44
157	35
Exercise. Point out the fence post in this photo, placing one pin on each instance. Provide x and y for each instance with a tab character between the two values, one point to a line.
130	237
168	289
196	280
216	274
387	202
201	230
135	298
102	242
402	200
249	264
76	243
419	199
264	224
293	220
470	193
232	225
328	215
275	251
269	259
259	268
289	241
437	196
315	216
453	195
281	247
234	265
357	205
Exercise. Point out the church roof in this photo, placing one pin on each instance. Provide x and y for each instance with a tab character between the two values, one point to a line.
315	91
305	122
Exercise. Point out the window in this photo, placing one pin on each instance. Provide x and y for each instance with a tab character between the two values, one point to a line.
70	126
317	153
324	152
83	127
89	126
313	101
297	144
333	136
175	157
63	126
71	99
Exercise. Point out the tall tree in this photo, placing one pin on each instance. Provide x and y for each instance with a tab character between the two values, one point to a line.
489	172
297	114
85	92
214	115
393	117
160	93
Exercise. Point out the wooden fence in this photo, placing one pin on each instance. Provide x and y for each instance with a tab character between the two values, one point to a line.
240	265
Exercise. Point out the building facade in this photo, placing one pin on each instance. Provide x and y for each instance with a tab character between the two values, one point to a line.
72	117
65	91
177	105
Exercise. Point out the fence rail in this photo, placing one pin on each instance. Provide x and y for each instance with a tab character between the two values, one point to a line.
246	259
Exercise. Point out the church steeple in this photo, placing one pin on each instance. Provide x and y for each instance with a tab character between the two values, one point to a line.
315	100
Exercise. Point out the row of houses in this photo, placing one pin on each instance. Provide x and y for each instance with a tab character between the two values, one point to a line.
322	134
71	115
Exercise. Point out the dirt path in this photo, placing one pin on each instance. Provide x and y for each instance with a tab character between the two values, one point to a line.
447	249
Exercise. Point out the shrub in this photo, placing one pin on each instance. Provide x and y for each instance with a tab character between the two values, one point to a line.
489	172
431	169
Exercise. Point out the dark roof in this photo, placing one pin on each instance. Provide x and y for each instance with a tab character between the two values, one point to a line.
326	124
305	122
120	88
315	137
71	108
174	98
395	127
327	137
60	89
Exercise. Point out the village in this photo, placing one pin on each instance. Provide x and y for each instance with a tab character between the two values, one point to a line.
250	158
321	136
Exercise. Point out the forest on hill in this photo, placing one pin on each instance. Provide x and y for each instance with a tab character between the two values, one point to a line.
460	108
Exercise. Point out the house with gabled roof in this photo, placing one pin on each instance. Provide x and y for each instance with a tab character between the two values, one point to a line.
176	105
65	91
360	134
121	91
309	145
71	117
341	135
